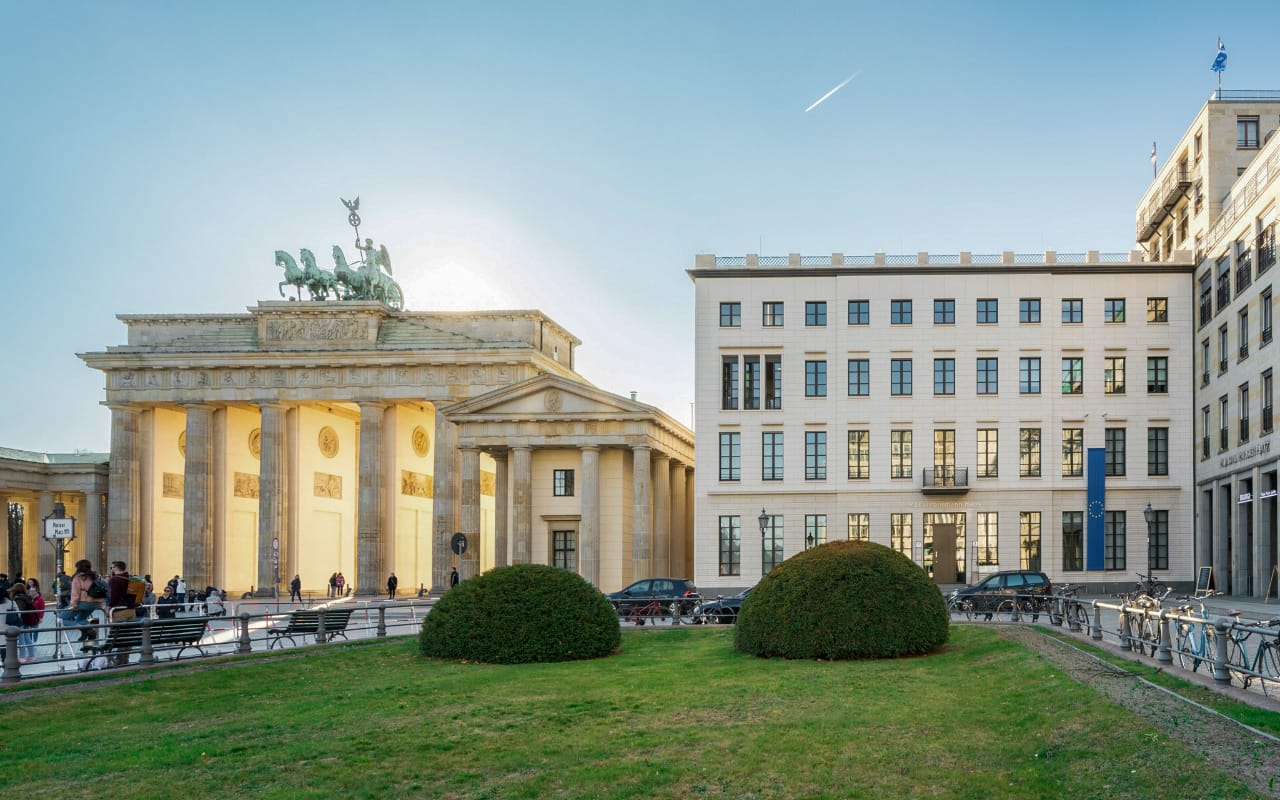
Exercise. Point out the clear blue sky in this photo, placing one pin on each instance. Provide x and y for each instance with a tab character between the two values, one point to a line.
571	157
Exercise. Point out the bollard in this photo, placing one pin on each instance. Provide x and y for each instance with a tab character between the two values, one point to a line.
146	655
319	626
382	619
12	672
676	608
1016	602
1073	621
1125	631
1220	673
244	647
1096	633
1163	654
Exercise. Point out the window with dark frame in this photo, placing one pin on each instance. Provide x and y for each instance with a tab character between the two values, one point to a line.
1072	375
899	312
988	453
1157	309
1029	452
772	314
771	543
1113	374
731	456
1072	541
815	455
815	313
729	383
1073	310
772	382
1113	310
1029	540
815	379
988	311
1029	310
731	545
815	530
859	312
859	377
900	454
944	376
1157	374
564	550
859	527
859	454
1158	549
751	383
771	456
988	376
1247	132
900	377
1157	451
1113	540
988	534
1029	375
1072	452
562	483
944	312
1115	458
731	315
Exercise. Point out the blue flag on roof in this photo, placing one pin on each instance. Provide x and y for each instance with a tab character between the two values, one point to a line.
1220	60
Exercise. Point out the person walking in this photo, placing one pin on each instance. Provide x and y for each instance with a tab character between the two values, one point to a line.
295	589
453	577
392	583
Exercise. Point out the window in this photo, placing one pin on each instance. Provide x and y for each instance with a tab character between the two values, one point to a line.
1243	403
564	550
1157	374
900	377
944	312
1029	375
1204	362
1073	375
815	455
1222	349
988	453
730	456
1158	540
1072	541
899	454
1029	452
988	376
859	377
771	543
988	539
1224	281
1266	249
1113	309
1198	149
1115	447
1242	333
1029	540
771	457
815	314
772	314
944	457
1222	421
1029	310
751	383
900	533
729	383
1157	451
1244	264
815	530
562	483
1204	432
815	379
859	455
859	312
944	376
1247	132
1113	374
1072	452
1265	312
731	545
988	311
773	382
1157	309
1267	398
899	312
1206	299
1073	311
860	527
1113	540
731	315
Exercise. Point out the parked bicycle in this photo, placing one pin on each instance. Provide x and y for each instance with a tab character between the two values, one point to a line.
1194	642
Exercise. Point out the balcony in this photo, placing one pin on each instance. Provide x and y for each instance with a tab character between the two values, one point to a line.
946	480
1206	312
1171	190
1244	352
1222	365
1244	274
1244	430
1266	336
1204	379
1266	250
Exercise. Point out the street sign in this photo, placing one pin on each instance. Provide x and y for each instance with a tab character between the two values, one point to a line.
59	528
275	543
459	543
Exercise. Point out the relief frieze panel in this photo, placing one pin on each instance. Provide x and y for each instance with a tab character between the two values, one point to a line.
416	484
246	485
172	485
325	330
328	486
488	484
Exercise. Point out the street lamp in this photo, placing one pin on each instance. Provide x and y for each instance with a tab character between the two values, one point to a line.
1150	515
764	523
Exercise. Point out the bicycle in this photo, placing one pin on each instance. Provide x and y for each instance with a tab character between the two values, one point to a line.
1146	640
1195	642
1266	659
645	612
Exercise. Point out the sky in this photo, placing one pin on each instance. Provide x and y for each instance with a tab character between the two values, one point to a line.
571	157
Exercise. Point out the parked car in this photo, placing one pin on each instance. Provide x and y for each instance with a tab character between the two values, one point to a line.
988	594
669	592
721	611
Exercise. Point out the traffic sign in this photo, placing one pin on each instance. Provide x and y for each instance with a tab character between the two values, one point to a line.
275	543
459	543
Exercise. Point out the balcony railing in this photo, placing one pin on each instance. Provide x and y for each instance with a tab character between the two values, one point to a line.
1204	447
1266	335
1224	294
1222	365
1244	274
1171	190
1266	250
1267	420
1204	379
1244	429
946	480
1222	439
1206	312
1244	352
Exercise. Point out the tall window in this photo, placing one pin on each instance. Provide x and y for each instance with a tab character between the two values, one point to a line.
860	527
1157	309
1073	310
730	456
900	377
988	376
815	314
1205	432
1029	375
751	382
1113	374
1072	541
1157	374
1113	540
1205	358
815	379
859	312
1223	280
988	311
944	376
771	457
1073	375
944	456
1222	423
899	312
1029	310
899	454
1247	132
900	533
771	543
1157	451
562	483
1029	452
772	314
1206	298
1242	402
859	377
815	530
859	455
815	455
1268	415
988	453
729	383
988	539
1265	315
1223	349
1158	550
1113	309
1072	452
1029	540
731	315
564	550
773	382
1242	332
731	545
944	312
1115	450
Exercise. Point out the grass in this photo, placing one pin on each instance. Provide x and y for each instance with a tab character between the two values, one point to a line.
675	714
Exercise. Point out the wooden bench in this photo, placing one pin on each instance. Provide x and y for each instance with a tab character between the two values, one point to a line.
164	633
306	622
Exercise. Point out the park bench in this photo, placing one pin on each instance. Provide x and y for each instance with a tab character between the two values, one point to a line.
306	622
164	633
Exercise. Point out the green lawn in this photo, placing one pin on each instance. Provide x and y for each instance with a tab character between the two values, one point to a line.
676	714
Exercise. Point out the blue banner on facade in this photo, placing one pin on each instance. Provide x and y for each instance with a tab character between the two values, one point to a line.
1095	507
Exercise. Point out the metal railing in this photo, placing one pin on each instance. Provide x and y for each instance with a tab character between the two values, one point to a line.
921	259
946	478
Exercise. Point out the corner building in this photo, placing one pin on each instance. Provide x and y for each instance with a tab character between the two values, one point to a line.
974	412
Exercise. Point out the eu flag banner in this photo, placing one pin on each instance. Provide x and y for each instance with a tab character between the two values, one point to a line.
1220	60
1095	506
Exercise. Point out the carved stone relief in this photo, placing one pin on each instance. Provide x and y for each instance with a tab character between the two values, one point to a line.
415	484
173	485
329	486
421	441
182	443
328	441
255	444
246	485
488	483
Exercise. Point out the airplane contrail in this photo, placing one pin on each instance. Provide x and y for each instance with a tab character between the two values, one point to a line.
820	100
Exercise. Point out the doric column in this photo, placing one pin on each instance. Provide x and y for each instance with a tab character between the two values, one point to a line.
589	526
641	513
4	536
521	505
444	504
369	512
272	490
661	515
218	502
501	493
44	553
92	530
123	519
678	544
197	505
470	518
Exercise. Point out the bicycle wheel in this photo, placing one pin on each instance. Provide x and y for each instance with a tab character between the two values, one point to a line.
966	608
1150	635
1269	662
1237	662
1004	611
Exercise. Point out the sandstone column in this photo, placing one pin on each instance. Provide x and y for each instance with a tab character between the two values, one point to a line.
470	518
123	523
44	553
369	514
92	530
272	490
589	527
662	515
197	505
501	492
641	513
4	536
521	505
444	505
678	567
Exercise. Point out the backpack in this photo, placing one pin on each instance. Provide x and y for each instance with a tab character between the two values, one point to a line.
12	619
135	593
98	589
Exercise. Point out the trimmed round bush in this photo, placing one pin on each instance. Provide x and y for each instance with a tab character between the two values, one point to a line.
521	614
843	600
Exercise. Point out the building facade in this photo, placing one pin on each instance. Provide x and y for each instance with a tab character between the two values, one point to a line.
973	412
31	487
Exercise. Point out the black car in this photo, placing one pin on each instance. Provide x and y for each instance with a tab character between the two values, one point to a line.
669	593
1000	590
721	611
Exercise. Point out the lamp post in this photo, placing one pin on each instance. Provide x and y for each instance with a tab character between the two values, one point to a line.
1150	515
764	524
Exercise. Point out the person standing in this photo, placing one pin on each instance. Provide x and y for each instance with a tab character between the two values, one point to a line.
28	620
167	605
295	589
333	584
180	589
339	582
453	576
392	583
121	605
